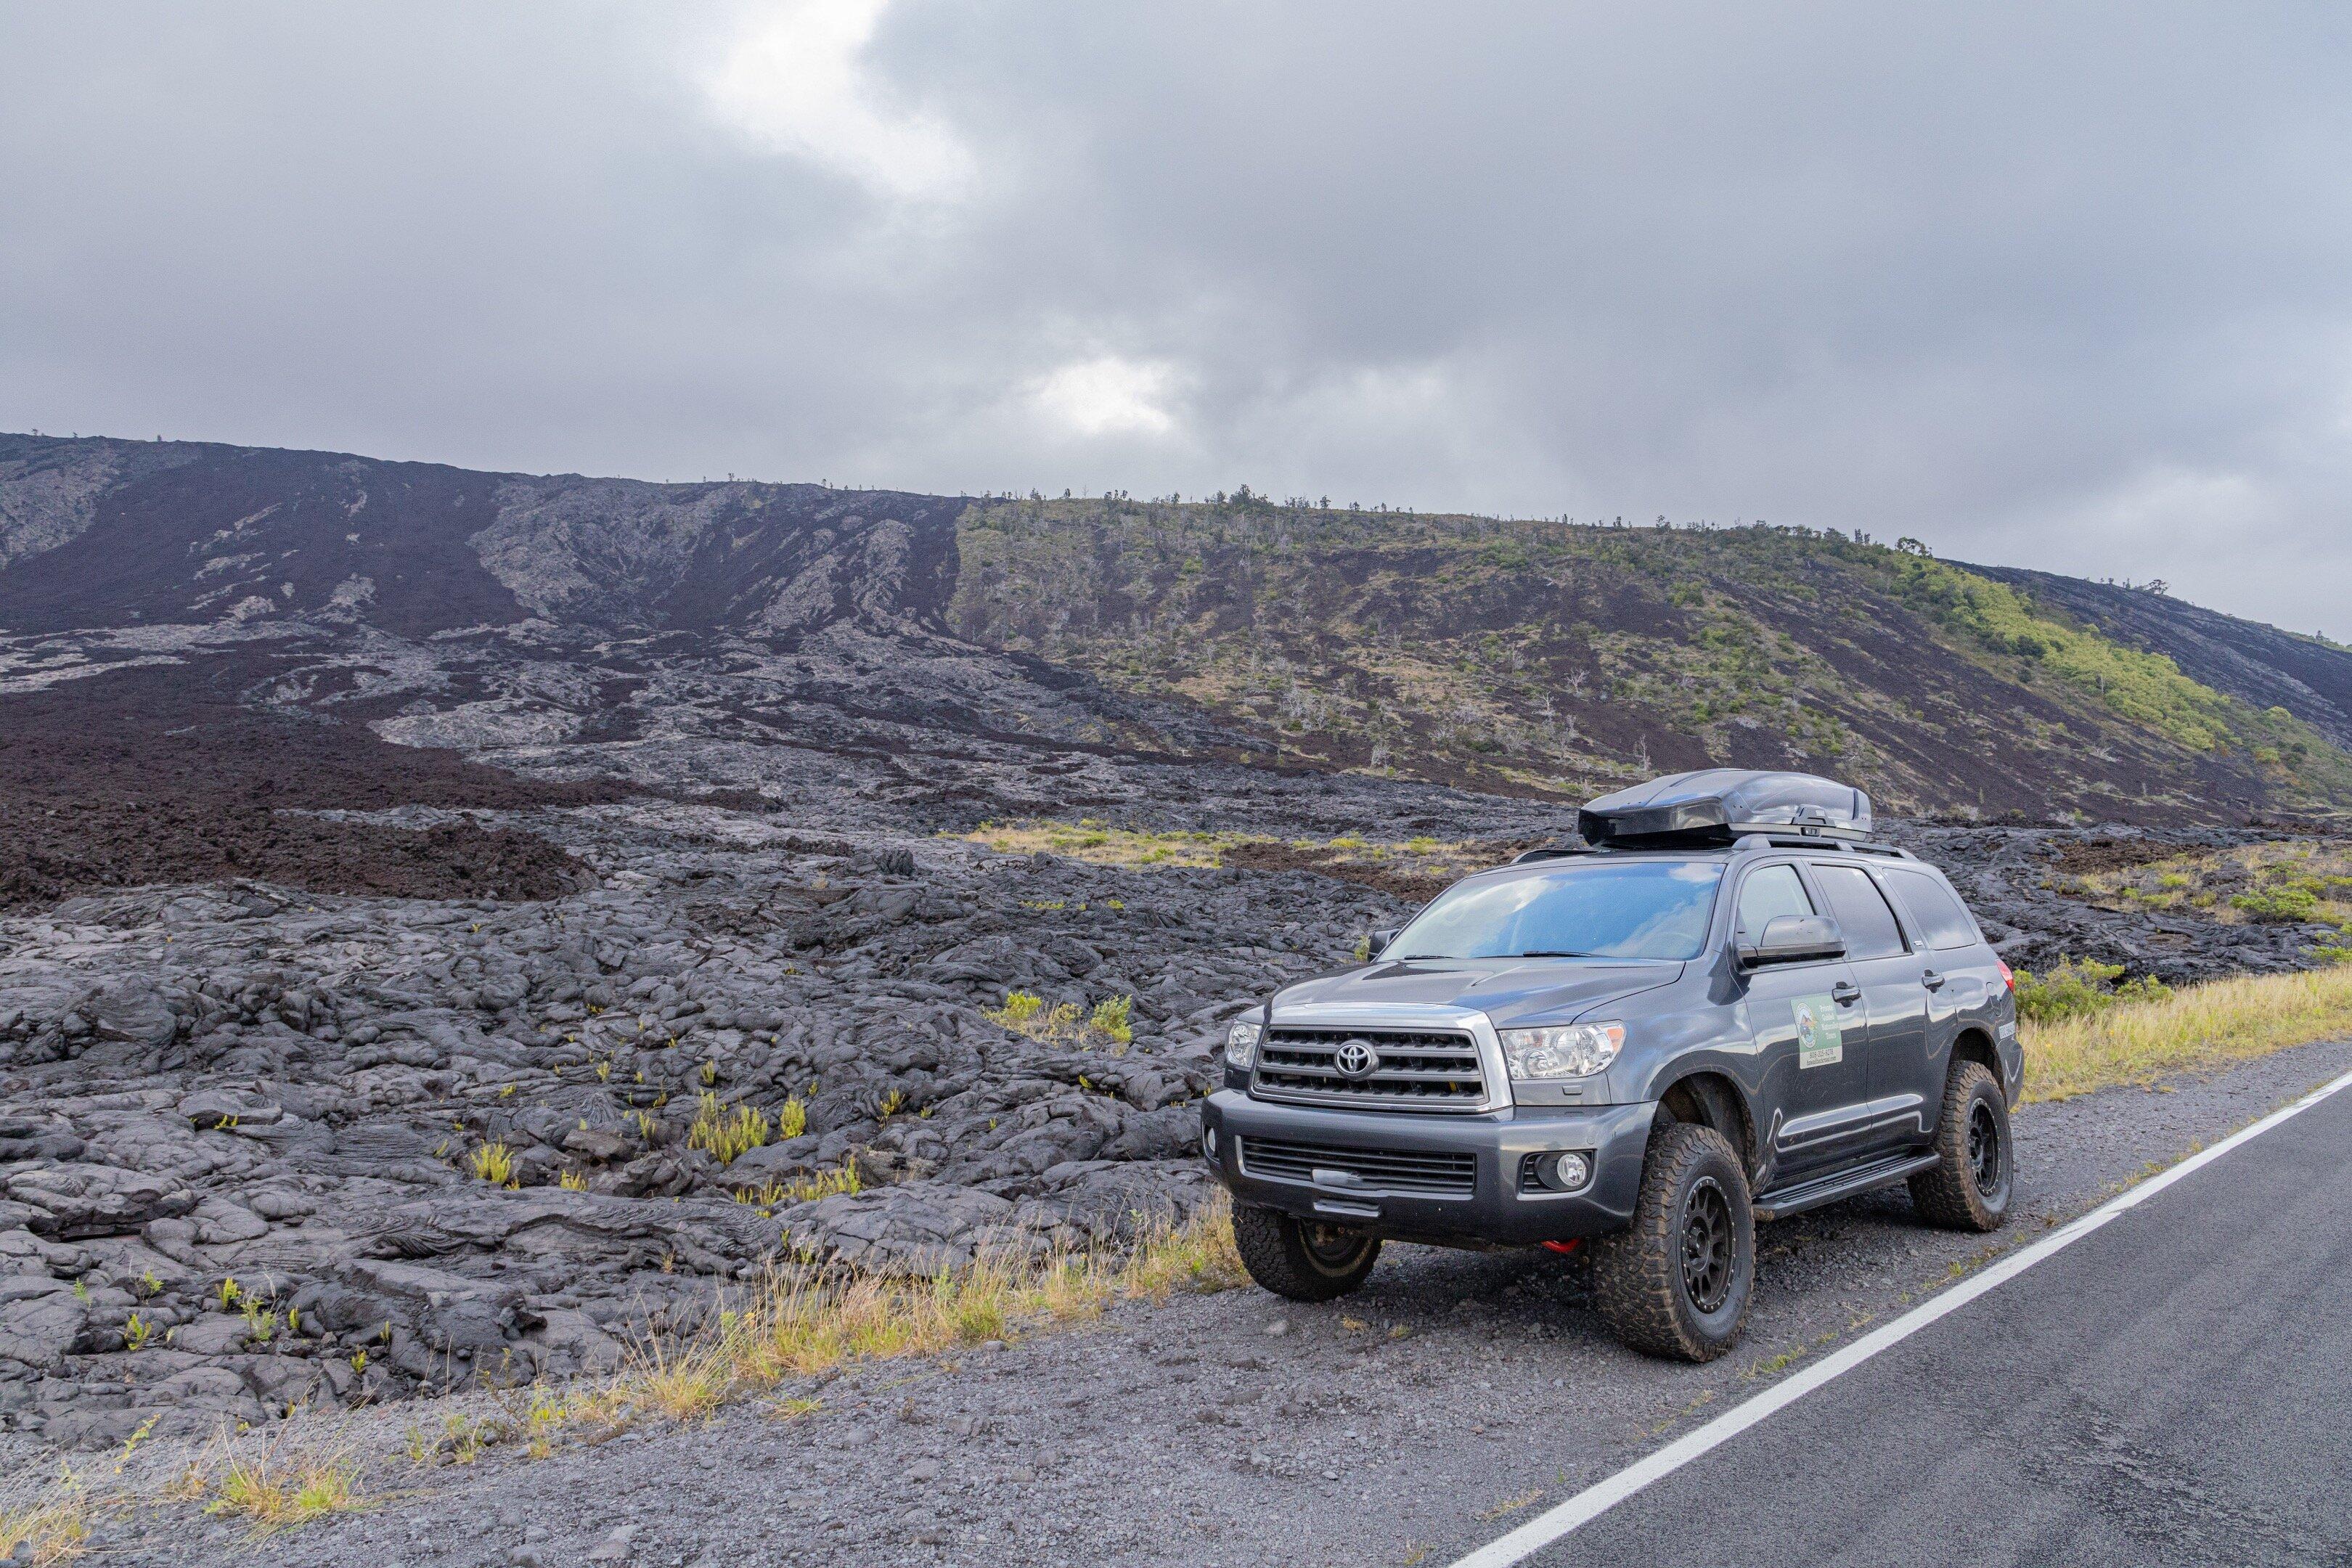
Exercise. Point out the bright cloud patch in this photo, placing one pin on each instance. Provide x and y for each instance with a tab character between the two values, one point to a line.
1109	396
794	79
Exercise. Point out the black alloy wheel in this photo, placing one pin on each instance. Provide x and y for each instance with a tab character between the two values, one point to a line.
1988	1153
1708	1246
1332	1248
1986	1158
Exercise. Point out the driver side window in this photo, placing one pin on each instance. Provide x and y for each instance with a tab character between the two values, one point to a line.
1768	893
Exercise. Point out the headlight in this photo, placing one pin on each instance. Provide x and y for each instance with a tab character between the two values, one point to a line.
1241	1043
1576	1050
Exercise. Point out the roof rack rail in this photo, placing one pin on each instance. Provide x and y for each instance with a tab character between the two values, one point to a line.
1550	852
1843	846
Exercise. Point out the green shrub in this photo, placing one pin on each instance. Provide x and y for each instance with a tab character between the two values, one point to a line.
1066	1023
2075	989
1020	1006
1111	1017
2288	903
726	1133
2082	988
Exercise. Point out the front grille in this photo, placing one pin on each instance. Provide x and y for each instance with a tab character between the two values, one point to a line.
1435	1174
1428	1070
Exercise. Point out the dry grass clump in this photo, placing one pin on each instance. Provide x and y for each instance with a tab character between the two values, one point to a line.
683	1381
531	1418
797	1327
2206	1026
1101	845
1097	843
51	1525
276	1486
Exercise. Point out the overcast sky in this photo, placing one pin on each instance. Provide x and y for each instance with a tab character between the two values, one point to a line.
2066	287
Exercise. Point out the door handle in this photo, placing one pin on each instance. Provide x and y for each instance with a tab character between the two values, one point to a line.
1933	981
1845	993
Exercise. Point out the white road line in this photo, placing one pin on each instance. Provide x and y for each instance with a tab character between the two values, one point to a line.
1599	1498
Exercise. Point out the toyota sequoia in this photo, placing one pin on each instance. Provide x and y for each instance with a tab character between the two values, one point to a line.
1727	1005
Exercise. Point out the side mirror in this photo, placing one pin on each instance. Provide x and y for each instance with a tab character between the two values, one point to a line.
1378	943
1793	939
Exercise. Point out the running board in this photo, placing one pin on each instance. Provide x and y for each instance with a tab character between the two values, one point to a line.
1782	1202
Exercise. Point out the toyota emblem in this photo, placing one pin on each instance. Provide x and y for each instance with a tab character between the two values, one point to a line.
1356	1059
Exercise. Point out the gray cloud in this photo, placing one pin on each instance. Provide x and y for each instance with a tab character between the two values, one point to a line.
2054	287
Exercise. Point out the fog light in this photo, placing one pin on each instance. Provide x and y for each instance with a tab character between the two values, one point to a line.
1565	1172
1209	1142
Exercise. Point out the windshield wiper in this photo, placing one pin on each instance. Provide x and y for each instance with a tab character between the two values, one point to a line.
1551	953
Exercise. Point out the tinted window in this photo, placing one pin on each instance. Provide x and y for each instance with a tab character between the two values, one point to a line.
1646	909
1767	894
1933	909
1861	913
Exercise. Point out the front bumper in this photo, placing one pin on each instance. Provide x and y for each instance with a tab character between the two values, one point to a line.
1495	1211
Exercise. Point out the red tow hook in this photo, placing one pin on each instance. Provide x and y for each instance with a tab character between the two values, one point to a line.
1565	1247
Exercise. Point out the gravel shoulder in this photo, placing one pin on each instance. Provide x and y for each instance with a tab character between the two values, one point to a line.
1407	1424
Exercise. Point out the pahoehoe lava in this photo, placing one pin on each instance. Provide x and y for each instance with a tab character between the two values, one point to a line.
357	818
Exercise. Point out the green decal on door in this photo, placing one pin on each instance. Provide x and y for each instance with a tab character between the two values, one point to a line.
1819	1042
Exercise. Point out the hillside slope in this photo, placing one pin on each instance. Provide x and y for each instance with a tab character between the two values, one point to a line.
1522	657
504	612
2256	663
97	533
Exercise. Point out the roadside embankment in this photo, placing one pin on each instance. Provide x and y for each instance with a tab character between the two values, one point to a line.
2196	1027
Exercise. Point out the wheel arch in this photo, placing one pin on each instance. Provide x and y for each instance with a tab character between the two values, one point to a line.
1710	1097
1975	1044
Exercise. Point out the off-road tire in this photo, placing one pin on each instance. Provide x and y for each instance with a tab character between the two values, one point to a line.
1975	1176
1303	1261
1642	1286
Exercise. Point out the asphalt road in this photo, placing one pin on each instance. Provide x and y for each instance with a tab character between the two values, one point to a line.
2175	1388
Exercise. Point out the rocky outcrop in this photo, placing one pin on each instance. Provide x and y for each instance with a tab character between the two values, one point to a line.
263	1151
102	532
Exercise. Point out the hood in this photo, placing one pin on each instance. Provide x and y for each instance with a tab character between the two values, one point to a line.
1508	990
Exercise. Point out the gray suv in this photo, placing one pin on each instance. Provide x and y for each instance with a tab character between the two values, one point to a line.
1726	1006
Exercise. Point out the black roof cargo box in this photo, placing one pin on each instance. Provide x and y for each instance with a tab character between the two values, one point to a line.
1717	806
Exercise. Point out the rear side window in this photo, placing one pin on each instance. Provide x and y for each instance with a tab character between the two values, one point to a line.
1768	893
1861	910
1933	909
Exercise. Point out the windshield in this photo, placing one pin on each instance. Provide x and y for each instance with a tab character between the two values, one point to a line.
1643	909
